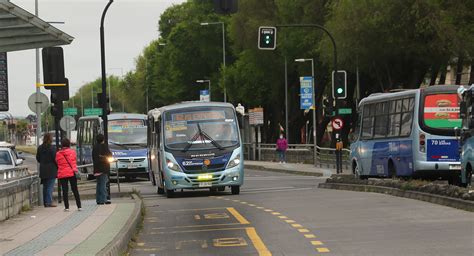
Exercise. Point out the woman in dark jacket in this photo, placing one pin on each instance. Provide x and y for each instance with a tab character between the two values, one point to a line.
100	157
48	171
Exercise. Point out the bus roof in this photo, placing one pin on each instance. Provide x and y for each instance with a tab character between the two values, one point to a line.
187	104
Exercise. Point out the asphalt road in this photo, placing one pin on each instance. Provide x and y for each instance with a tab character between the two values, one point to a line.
279	214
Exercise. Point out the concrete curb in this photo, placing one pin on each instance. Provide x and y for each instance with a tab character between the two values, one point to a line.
431	198
120	243
262	168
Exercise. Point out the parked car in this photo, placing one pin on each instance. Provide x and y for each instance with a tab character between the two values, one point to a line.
8	159
18	154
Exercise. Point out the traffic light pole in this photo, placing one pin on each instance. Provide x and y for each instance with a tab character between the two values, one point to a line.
104	78
335	65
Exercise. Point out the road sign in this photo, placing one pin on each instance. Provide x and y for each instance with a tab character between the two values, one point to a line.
345	111
204	95
4	106
92	111
337	123
256	116
306	92
70	111
67	123
42	101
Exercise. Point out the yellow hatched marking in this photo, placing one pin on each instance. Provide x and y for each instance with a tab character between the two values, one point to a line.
282	217
322	249
257	242
310	236
276	213
303	230
296	225
238	216
290	221
211	216
180	244
316	243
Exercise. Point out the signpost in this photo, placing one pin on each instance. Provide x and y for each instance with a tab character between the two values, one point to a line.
204	95
67	123
70	111
42	102
306	92
3	82
345	111
337	123
92	112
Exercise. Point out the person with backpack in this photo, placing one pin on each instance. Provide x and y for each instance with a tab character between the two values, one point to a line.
100	157
68	173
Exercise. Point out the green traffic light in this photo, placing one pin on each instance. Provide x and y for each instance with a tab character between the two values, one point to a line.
339	90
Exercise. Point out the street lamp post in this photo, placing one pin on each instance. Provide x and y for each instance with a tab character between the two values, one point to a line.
209	83
314	104
223	50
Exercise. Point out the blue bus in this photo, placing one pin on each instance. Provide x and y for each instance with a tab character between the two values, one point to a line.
408	134
467	135
195	145
127	142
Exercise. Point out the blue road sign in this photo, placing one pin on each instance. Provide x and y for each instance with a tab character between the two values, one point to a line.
306	92
204	95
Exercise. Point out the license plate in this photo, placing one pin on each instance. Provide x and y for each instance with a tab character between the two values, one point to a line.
205	184
132	166
455	167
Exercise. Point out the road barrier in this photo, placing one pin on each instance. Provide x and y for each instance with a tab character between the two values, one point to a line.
297	153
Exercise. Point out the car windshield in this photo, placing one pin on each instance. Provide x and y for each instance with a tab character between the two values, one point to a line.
201	129
441	111
127	132
5	158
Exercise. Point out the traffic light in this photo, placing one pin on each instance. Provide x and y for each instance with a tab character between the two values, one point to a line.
267	38
53	66
339	84
101	103
225	6
57	109
60	93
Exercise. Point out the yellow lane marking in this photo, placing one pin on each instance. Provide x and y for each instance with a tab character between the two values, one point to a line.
282	217
187	210
310	236
268	210
303	230
260	207
290	221
257	242
226	199
296	225
219	197
195	226
322	249
236	201
316	243
276	213
237	215
230	242
221	215
194	231
141	244
251	205
243	202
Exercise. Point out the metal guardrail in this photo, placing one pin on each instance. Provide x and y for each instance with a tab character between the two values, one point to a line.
325	157
7	175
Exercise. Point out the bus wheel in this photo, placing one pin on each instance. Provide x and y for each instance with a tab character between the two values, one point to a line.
392	172
221	189
235	190
455	179
468	177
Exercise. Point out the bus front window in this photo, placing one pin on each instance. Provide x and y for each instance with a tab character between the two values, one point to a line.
127	132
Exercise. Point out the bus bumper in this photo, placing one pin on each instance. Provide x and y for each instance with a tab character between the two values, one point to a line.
229	177
436	169
127	168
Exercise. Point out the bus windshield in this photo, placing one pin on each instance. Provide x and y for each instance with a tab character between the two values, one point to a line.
441	111
127	132
203	128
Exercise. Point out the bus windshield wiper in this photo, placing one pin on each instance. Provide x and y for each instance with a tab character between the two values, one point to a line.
118	144
201	133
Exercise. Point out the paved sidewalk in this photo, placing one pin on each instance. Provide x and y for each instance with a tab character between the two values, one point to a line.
299	169
96	230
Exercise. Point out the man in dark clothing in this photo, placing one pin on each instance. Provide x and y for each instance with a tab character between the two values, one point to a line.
101	156
46	155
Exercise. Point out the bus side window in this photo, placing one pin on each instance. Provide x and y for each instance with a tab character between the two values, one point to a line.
157	126
95	131
79	133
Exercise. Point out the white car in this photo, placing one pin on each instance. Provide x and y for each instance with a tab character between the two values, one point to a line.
8	159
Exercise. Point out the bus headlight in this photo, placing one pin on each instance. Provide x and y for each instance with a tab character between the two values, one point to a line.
234	162
111	159
172	166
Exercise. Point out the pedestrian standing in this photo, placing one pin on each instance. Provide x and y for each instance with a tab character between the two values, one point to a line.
101	156
48	170
68	173
281	147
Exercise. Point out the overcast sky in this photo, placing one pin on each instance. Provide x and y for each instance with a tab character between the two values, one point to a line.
129	26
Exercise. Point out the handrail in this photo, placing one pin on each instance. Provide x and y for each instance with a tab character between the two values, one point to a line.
14	173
